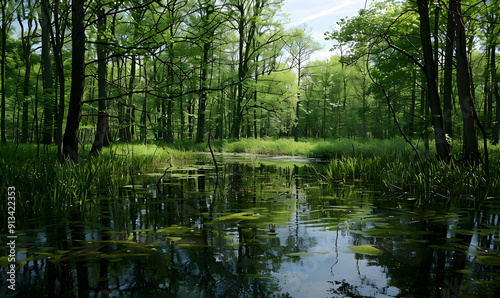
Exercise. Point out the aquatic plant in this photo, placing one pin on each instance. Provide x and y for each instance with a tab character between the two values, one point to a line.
43	182
399	171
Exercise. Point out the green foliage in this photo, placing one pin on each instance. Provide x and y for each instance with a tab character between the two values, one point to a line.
400	171
268	146
42	182
366	250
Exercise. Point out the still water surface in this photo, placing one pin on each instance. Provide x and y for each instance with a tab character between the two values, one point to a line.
264	228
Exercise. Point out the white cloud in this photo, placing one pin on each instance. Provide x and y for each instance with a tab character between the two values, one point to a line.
321	16
324	12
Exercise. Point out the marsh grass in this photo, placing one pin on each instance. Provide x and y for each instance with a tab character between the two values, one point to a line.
267	146
43	183
400	171
318	148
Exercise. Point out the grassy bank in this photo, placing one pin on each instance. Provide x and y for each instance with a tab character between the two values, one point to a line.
331	148
392	162
42	182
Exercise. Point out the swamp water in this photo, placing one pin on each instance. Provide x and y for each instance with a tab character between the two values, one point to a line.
265	228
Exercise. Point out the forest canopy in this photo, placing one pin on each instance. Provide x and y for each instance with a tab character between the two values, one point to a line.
87	73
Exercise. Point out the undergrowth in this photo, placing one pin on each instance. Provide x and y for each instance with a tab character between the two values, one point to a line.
401	171
42	182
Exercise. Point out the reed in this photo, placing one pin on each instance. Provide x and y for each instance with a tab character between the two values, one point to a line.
45	183
433	177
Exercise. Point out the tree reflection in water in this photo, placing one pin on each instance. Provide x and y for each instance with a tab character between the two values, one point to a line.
266	229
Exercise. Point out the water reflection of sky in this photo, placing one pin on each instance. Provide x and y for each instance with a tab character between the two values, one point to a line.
331	265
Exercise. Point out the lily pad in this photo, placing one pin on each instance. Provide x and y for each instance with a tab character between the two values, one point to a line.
300	254
366	249
240	216
489	260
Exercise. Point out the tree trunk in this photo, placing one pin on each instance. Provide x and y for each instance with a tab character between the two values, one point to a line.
57	45
297	108
102	128
494	79
448	73
411	126
2	71
471	148
200	126
442	147
129	114
70	140
144	116
26	42
48	93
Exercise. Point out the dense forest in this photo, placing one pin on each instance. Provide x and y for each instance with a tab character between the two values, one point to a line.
373	173
75	73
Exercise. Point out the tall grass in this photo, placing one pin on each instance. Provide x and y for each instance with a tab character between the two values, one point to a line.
43	183
400	171
267	146
331	148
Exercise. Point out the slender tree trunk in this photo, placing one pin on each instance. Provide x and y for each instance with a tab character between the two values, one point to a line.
57	45
255	94
442	147
102	127
200	127
70	140
129	114
448	73
297	108
26	42
494	79
2	70
168	135
48	93
411	129
238	113
206	36
144	116
471	148
490	86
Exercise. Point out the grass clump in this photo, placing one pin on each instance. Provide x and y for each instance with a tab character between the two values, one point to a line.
400	171
43	183
267	146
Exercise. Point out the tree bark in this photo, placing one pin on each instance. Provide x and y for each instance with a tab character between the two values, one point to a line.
102	129
48	85
471	148
2	70
442	147
26	42
207	36
200	130
448	72
494	79
70	139
57	45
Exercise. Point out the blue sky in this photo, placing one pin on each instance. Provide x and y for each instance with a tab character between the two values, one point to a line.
321	16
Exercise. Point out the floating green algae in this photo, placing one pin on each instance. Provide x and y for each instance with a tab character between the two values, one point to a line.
366	249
